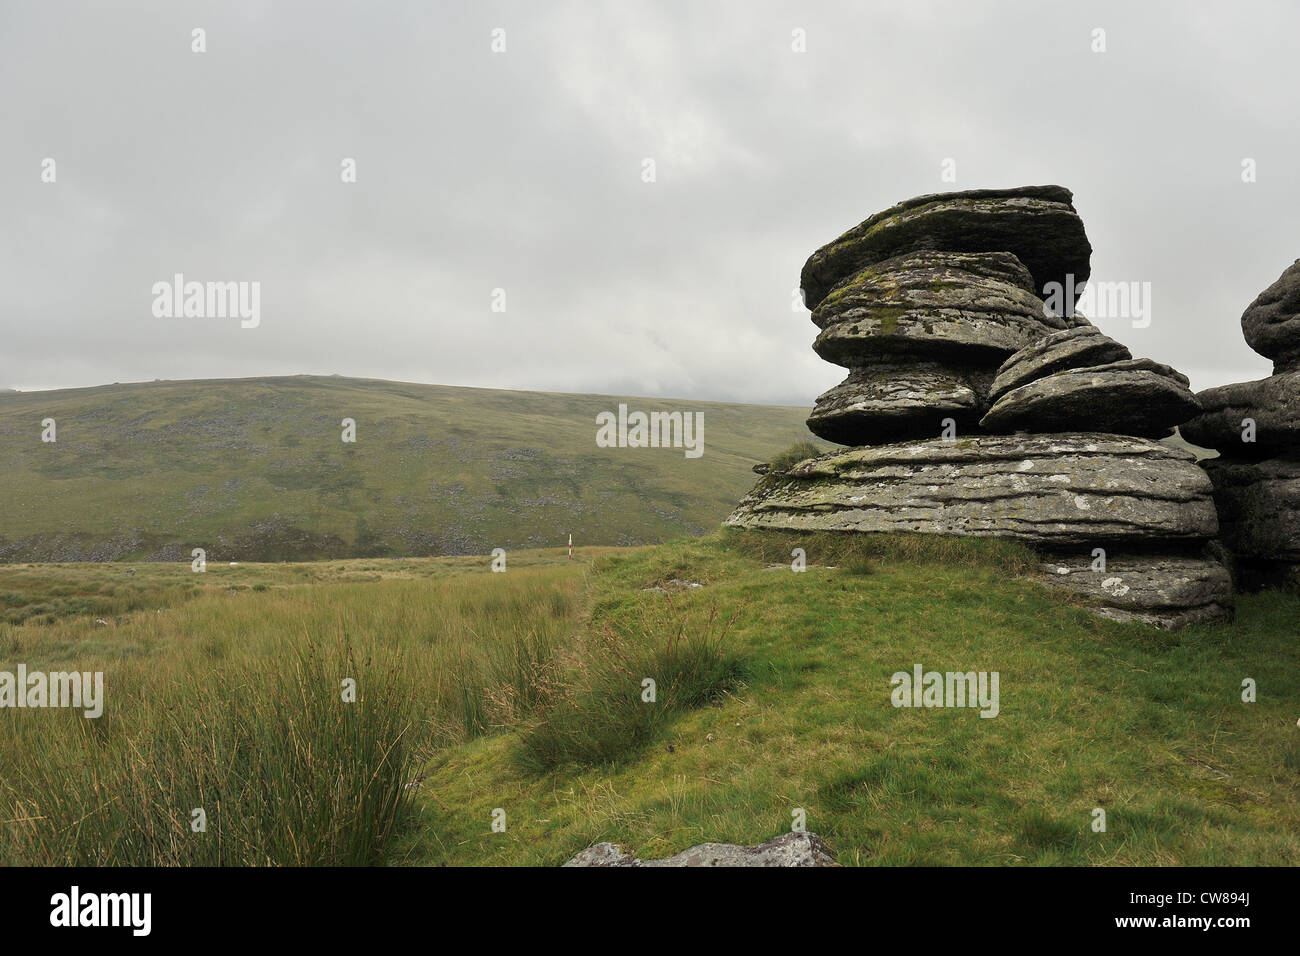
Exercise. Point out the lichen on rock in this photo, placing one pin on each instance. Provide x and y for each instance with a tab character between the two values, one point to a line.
936	307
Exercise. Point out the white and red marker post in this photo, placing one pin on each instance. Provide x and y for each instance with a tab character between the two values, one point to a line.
570	545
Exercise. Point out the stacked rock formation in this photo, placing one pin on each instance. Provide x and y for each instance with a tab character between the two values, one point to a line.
1255	427
922	302
972	409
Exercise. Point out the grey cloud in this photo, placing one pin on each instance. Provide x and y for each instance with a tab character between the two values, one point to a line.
522	171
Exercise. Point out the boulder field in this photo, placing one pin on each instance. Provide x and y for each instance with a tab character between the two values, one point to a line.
971	408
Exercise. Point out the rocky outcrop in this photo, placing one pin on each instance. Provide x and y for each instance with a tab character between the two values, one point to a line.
1259	509
1255	427
789	849
1057	490
922	335
1249	420
977	308
1271	324
1133	397
1036	224
1172	589
1078	347
936	306
895	401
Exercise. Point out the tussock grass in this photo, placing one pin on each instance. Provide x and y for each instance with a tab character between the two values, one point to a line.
285	771
800	451
232	702
597	711
28	593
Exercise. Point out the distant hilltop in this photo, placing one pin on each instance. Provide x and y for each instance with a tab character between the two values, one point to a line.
264	469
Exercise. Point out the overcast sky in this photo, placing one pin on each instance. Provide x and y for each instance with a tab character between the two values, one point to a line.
523	171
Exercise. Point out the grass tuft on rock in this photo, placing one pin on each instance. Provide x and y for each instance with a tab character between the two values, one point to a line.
800	451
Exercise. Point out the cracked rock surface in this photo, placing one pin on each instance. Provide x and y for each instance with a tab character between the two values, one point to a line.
897	401
1169	589
1071	348
1042	489
1131	397
958	306
1037	224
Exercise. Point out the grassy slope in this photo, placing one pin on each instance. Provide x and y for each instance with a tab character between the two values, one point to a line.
1148	725
254	469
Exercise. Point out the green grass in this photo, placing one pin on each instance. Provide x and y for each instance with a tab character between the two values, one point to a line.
1146	725
522	692
231	700
286	772
255	470
799	451
602	708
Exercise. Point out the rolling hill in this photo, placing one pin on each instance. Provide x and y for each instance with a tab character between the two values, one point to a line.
255	469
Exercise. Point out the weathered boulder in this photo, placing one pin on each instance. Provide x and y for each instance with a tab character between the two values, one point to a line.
1259	506
897	401
1167	589
1046	489
966	306
1133	397
936	306
1272	403
789	849
1271	323
1037	224
1256	428
1078	347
